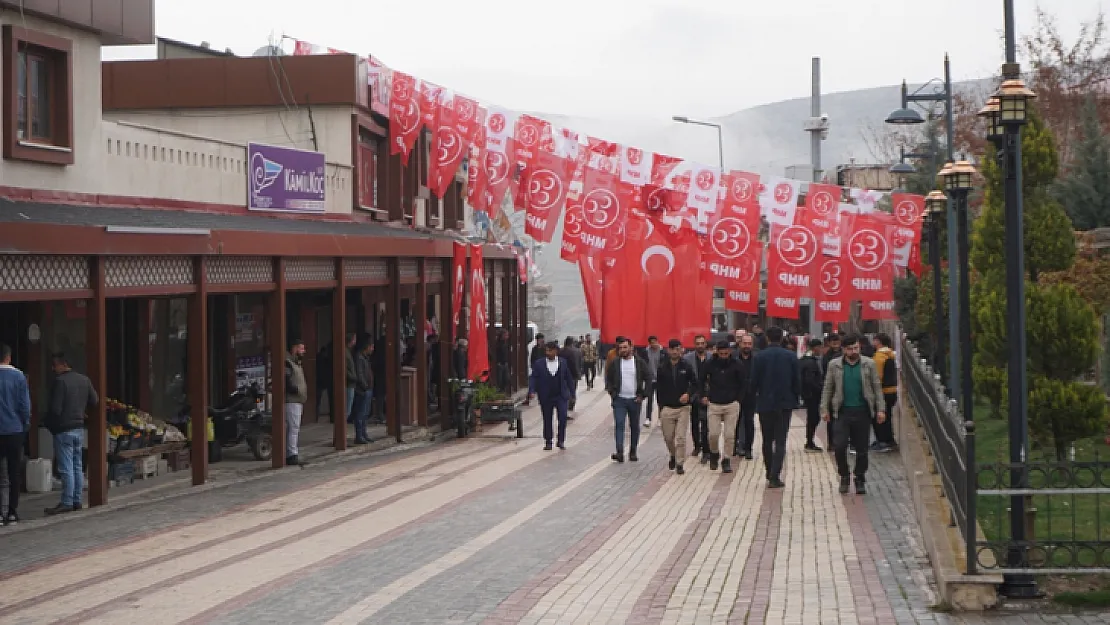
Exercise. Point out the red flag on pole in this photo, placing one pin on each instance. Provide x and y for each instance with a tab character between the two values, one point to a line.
458	278
478	350
405	119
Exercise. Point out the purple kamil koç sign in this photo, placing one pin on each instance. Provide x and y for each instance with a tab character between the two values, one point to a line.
285	179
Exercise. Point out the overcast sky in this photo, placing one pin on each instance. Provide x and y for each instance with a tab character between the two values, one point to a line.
646	59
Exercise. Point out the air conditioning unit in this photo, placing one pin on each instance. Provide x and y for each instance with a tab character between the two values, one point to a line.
419	212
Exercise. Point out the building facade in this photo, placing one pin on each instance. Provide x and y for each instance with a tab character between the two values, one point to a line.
126	240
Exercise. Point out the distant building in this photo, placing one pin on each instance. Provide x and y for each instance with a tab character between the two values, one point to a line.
870	177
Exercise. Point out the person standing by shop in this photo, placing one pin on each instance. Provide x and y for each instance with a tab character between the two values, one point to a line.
589	361
552	379
15	420
350	376
296	394
364	389
626	380
813	383
675	384
745	423
71	395
777	386
723	386
537	352
699	425
852	394
653	354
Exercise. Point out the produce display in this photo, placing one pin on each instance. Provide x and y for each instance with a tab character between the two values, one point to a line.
130	428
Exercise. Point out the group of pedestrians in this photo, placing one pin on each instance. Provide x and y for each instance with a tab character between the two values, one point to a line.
716	392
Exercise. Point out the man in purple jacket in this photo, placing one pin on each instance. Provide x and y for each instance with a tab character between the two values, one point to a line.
552	381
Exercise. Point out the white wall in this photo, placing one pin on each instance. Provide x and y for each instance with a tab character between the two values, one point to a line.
85	173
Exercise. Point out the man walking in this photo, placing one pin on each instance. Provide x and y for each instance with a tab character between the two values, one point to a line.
699	424
832	351
296	393
15	420
745	424
812	385
364	389
723	385
552	380
626	380
675	383
71	395
887	367
653	354
573	356
851	395
537	350
589	360
776	382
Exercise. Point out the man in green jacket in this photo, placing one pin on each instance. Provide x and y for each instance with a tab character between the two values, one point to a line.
851	395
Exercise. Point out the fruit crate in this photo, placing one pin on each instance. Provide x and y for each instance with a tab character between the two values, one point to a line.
179	460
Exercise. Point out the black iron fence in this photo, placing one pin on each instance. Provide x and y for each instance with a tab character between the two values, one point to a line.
951	440
1067	501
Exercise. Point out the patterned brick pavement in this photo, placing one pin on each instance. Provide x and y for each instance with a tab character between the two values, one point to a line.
494	530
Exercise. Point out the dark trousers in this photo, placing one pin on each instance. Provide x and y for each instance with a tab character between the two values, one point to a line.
650	401
626	411
745	428
884	432
852	426
11	453
591	371
813	419
573	396
699	427
775	425
549	410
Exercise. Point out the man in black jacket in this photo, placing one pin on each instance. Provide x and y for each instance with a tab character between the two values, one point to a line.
626	380
537	352
675	383
723	385
698	359
777	383
71	395
812	380
745	424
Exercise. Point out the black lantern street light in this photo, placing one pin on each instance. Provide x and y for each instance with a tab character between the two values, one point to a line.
995	131
1013	113
957	178
936	203
938	91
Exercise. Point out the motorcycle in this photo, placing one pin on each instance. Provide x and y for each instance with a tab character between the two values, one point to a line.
465	391
242	419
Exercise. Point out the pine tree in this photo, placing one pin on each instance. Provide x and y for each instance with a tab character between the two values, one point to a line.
1085	190
1061	327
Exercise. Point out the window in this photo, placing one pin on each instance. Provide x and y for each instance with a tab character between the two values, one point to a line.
38	118
369	183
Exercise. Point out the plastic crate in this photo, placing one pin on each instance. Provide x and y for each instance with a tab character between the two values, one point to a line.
179	460
121	472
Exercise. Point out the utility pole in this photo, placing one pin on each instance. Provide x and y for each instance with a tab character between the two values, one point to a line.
818	128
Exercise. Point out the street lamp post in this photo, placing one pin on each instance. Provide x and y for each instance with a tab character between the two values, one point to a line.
936	203
957	179
720	135
908	116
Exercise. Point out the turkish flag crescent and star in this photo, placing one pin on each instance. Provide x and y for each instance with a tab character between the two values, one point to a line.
405	120
458	277
478	350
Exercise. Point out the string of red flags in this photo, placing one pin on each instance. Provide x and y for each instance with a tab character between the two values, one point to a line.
643	226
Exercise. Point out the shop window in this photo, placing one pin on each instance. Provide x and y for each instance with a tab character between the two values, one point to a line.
168	357
38	120
370	150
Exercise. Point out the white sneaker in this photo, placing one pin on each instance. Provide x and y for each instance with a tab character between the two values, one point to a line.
647	423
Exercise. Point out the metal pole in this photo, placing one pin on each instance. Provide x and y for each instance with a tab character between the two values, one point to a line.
815	112
954	258
938	296
967	402
1016	585
721	147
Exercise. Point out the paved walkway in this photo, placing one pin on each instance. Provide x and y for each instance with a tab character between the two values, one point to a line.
493	530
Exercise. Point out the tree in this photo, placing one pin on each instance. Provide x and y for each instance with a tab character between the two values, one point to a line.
1085	189
1061	327
1048	236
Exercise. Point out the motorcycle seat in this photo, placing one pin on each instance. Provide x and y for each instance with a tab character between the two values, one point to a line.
222	412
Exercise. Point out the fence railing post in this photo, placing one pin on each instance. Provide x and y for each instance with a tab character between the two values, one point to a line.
971	533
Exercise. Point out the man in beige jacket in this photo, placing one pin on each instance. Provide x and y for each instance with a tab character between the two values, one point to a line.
851	395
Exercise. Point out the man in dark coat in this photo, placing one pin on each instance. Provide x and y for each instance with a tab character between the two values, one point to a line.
552	381
537	352
777	386
675	384
573	356
812	383
745	423
698	359
723	384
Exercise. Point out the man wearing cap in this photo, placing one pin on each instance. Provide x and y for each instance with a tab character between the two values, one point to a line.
723	385
675	383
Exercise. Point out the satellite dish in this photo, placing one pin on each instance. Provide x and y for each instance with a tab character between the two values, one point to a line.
268	51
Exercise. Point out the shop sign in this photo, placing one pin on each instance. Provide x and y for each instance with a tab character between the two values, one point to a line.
285	179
